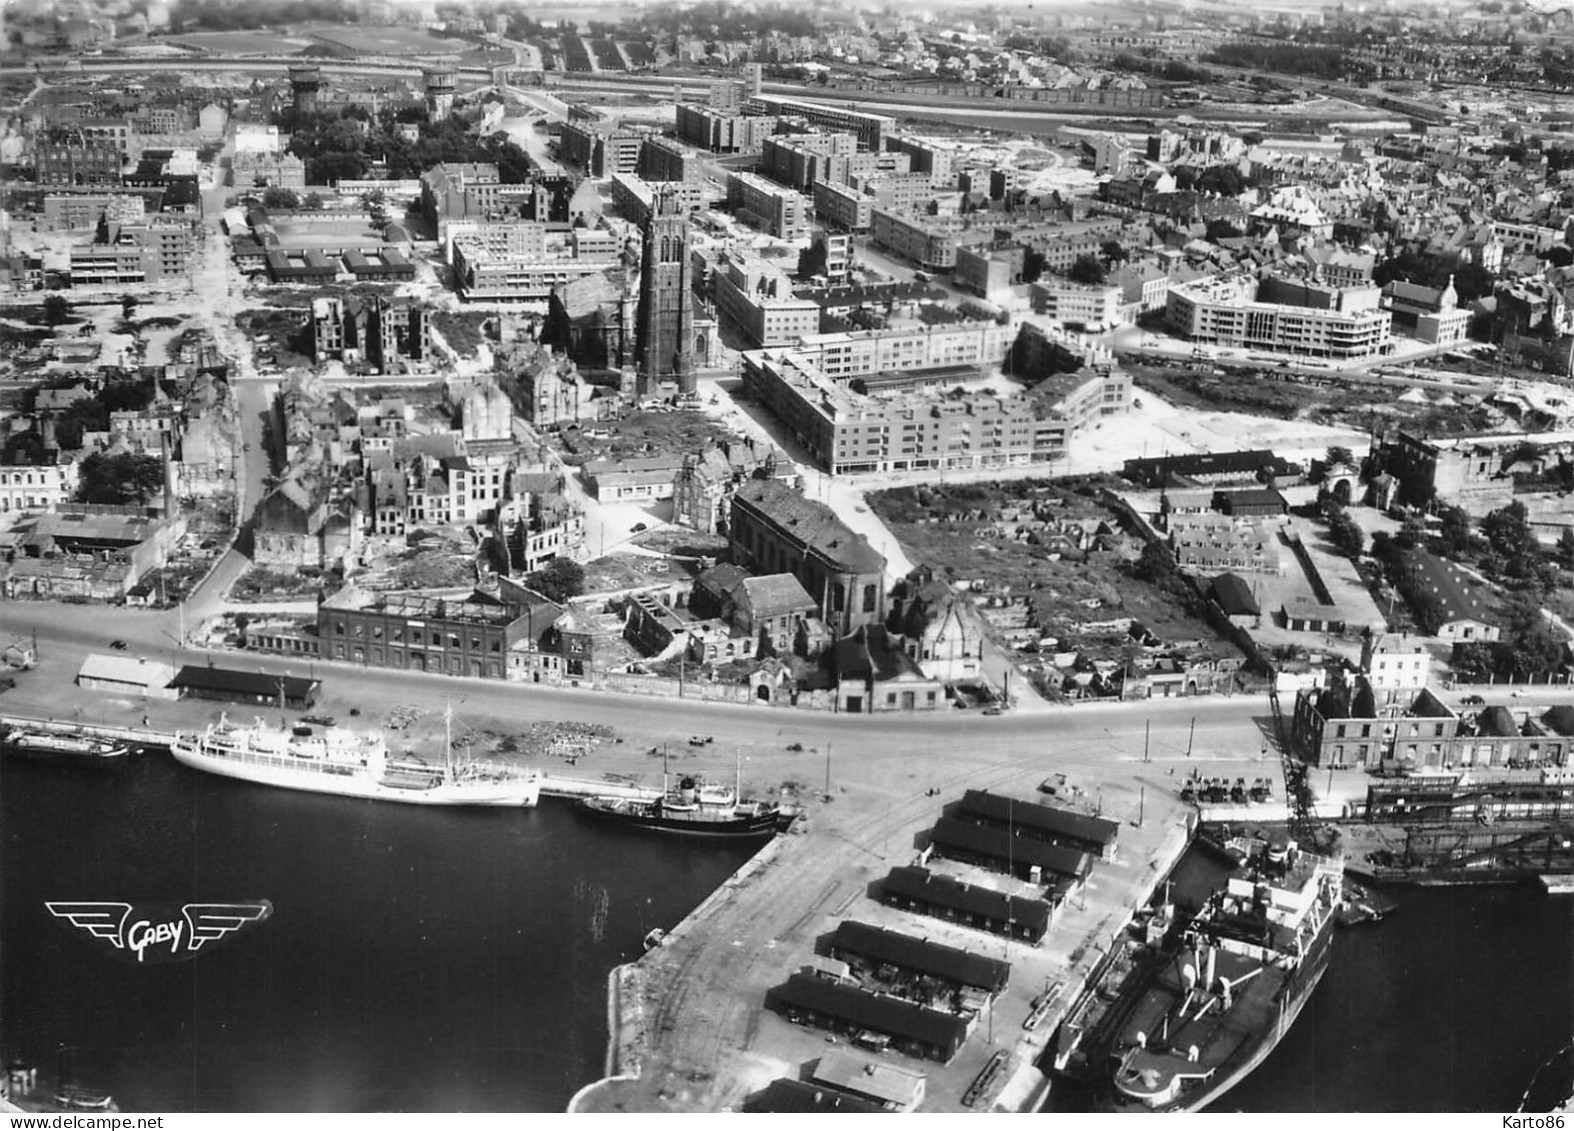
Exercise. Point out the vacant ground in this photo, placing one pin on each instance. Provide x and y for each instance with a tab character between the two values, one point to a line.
1332	402
423	559
627	571
462	330
681	542
1067	594
640	434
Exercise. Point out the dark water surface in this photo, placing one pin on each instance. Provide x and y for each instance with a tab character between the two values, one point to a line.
418	958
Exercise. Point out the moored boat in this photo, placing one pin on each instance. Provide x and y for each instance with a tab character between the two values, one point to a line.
1207	1009
351	764
65	746
695	808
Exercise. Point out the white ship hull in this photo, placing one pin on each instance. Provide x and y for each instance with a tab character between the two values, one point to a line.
412	785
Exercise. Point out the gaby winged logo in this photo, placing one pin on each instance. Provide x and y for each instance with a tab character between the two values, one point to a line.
161	932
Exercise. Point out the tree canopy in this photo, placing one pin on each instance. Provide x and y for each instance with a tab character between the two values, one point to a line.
558	580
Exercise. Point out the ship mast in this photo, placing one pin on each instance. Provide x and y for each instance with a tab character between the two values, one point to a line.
448	740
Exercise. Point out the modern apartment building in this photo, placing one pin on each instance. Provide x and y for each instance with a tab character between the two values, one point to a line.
757	296
775	210
1226	312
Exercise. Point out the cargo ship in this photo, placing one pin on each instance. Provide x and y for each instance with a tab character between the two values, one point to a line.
65	746
351	764
695	808
1205	1010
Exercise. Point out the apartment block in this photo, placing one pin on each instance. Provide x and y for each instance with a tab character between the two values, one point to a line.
757	296
1227	312
775	210
842	206
1078	305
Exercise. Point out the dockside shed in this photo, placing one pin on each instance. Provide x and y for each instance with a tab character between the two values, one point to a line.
1092	835
198	682
941	897
912	1028
998	849
917	956
800	1096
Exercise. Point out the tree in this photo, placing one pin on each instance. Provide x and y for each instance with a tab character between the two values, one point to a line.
1221	229
1225	180
283	199
56	310
128	306
1337	456
1566	548
1155	563
126	479
314	202
558	580
1087	269
766	648
1112	253
1345	534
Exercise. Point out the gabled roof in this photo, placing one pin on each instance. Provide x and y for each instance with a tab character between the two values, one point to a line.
813	524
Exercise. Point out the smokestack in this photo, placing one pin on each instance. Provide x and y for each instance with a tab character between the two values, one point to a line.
1213	954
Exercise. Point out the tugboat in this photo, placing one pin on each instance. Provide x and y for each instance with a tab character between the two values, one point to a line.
693	809
1209	1009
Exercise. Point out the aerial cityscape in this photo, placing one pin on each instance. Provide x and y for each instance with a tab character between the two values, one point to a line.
986	557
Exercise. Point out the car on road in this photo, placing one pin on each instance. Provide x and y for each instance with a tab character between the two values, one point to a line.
118	645
701	740
994	710
1472	701
638	528
318	720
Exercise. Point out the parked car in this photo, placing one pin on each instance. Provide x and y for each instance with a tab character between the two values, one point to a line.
118	645
1472	701
701	740
318	720
638	528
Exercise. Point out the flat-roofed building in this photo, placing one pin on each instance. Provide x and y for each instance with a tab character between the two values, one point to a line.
869	129
1227	312
758	297
1081	306
843	207
775	210
468	637
929	158
721	131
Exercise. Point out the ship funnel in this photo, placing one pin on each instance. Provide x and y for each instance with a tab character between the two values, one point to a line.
1142	1039
1213	955
1191	1054
1189	976
1224	991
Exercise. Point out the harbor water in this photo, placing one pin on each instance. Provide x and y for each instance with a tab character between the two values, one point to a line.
417	959
428	959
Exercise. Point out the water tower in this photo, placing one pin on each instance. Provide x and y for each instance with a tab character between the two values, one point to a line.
439	93
306	82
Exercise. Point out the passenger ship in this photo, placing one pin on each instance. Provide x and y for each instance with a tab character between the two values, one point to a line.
350	763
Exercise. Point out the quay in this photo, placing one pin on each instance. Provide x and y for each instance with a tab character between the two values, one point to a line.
688	1026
